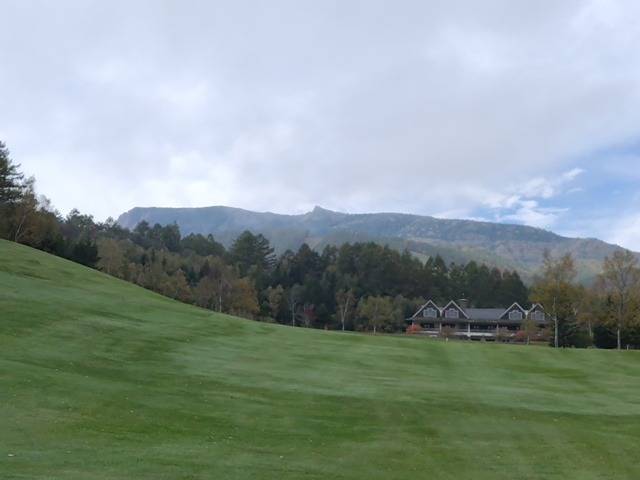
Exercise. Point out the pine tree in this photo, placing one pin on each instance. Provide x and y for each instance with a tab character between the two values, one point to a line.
11	179
12	184
251	250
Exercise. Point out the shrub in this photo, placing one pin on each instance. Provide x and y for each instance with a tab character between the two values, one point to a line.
413	329
520	336
448	332
503	335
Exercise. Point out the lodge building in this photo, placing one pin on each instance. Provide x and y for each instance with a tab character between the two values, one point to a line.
475	323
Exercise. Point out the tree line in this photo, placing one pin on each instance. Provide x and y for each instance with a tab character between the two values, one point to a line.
605	315
360	286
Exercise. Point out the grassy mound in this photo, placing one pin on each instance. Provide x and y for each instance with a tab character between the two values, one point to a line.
101	379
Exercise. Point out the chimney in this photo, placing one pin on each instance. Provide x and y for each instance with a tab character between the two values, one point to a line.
464	303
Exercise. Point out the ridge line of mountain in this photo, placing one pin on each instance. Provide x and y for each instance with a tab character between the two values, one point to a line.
349	214
512	246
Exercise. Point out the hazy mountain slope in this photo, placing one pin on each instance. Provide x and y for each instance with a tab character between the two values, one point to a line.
101	380
510	246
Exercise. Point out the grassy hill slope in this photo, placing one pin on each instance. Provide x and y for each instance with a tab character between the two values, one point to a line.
100	379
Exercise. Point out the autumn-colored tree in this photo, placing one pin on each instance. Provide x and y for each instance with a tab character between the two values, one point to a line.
178	287
111	256
243	299
275	299
376	310
555	290
308	314
214	290
590	308
529	329
620	283
205	293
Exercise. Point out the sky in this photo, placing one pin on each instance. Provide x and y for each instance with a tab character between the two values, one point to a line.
518	112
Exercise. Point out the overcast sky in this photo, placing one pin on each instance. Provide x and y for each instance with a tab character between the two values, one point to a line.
521	112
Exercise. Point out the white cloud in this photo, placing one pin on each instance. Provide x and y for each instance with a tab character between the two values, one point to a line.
531	214
572	174
520	203
426	107
626	232
547	187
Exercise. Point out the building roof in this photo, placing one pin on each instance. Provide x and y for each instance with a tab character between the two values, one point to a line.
481	314
453	303
485	313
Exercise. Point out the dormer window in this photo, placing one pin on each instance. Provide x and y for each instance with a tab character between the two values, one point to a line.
451	313
515	315
538	316
430	312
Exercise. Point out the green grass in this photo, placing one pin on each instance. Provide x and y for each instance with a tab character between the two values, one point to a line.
100	379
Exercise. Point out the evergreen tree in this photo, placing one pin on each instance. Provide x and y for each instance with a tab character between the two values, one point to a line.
512	290
201	245
11	178
251	251
12	186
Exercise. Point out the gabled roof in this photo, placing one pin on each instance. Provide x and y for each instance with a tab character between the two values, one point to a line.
429	303
534	306
457	306
515	304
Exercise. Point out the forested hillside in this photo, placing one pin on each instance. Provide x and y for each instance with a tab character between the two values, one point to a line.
514	247
306	288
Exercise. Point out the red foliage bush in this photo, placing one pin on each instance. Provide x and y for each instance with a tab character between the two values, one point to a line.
413	329
520	336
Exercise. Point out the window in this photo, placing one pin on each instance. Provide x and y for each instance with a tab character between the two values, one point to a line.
515	315
538	316
451	313
430	312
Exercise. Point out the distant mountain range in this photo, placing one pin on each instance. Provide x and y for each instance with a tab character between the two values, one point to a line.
515	247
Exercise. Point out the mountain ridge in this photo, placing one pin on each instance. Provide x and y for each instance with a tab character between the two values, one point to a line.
512	246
